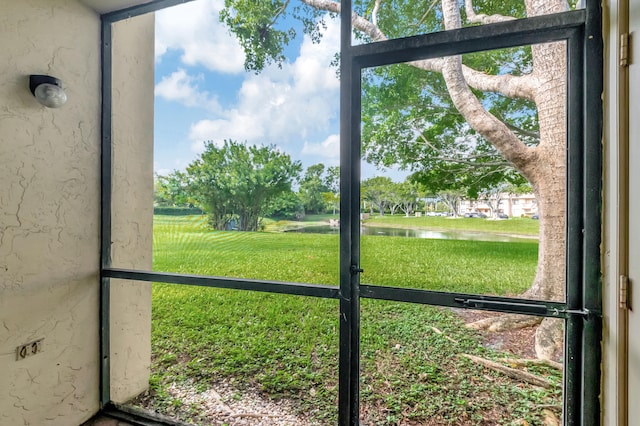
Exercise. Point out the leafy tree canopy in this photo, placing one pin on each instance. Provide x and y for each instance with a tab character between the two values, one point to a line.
379	192
257	25
172	190
312	186
236	181
285	206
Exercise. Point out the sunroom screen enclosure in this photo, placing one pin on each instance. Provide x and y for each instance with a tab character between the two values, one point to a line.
580	31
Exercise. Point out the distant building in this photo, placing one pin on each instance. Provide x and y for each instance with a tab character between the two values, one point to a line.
521	205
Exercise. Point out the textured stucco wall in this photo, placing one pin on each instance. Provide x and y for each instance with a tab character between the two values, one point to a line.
49	213
132	206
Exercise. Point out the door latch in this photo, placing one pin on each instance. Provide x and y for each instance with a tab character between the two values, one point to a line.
356	270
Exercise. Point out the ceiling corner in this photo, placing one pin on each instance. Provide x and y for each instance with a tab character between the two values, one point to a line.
105	6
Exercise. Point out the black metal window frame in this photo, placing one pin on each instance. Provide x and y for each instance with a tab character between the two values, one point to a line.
581	30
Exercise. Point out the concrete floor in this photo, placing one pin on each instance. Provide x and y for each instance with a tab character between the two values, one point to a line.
105	421
127	417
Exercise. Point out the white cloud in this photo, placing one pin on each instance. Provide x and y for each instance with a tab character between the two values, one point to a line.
329	148
194	29
282	106
311	70
182	87
238	127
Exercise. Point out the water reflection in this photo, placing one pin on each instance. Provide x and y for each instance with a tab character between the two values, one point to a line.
416	233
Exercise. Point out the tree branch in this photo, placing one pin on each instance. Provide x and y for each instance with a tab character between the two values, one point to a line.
511	372
488	173
474	18
529	133
280	12
468	159
536	361
374	13
362	24
429	9
511	86
524	132
494	130
474	163
508	85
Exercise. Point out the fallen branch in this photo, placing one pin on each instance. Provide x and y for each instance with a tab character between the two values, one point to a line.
438	331
537	361
252	415
511	372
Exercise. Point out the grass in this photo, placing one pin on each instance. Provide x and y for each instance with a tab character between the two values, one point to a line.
287	346
185	245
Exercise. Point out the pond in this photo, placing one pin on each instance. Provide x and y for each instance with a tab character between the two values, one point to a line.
417	233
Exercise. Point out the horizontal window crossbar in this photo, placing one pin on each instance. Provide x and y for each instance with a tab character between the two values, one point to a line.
528	308
519	32
466	301
426	297
298	289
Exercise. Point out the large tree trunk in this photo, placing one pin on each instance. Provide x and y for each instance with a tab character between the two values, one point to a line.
549	181
547	173
544	166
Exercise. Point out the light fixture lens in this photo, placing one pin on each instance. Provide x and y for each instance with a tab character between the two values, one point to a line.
47	90
50	95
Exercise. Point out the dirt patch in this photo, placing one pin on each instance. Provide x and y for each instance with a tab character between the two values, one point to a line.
224	405
520	342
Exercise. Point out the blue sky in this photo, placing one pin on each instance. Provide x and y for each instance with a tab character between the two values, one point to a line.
203	93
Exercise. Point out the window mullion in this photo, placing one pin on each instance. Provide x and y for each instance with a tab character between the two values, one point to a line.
592	286
349	358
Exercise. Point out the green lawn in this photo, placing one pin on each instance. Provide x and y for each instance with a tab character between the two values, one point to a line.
287	346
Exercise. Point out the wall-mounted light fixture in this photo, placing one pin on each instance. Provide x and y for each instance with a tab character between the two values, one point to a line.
47	90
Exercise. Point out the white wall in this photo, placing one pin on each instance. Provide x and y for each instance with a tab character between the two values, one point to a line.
49	213
132	206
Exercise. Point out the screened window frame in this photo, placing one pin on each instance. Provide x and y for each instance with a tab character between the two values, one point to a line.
581	310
